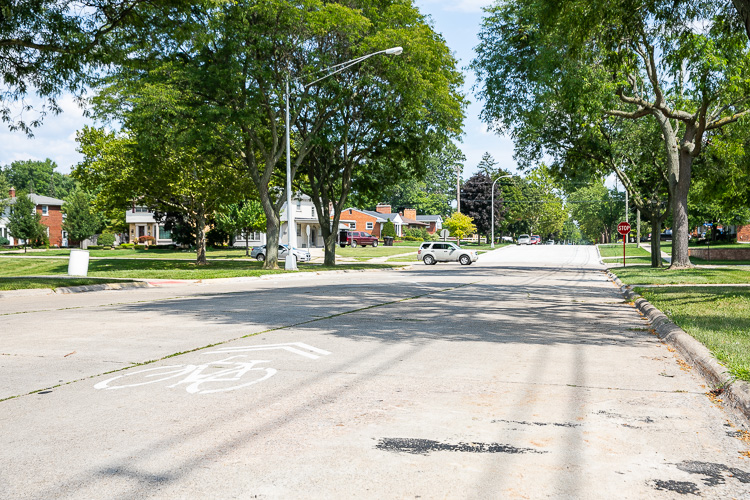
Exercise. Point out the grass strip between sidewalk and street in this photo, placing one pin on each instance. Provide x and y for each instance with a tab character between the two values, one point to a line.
645	275
615	250
159	269
718	317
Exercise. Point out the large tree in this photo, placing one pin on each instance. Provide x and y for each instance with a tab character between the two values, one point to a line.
39	177
81	221
429	193
477	202
241	218
683	64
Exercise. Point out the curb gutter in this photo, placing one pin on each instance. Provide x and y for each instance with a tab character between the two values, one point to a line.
698	355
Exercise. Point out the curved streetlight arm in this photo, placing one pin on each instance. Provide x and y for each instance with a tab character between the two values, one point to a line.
492	209
338	68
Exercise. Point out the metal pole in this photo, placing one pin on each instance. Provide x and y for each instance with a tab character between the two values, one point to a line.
290	264
638	227
458	188
492	210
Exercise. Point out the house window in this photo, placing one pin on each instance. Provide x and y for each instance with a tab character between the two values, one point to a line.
140	210
299	205
164	234
352	225
299	229
369	226
45	210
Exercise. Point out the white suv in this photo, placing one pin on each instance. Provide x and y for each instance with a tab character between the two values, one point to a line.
524	239
434	252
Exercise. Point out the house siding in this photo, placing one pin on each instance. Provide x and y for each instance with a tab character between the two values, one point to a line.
361	220
53	220
743	234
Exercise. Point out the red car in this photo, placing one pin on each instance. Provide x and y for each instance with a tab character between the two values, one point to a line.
535	239
357	238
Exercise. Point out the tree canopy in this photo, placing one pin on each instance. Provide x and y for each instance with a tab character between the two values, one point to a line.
682	64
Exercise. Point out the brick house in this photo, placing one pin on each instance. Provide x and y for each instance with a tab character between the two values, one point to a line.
743	234
372	222
52	217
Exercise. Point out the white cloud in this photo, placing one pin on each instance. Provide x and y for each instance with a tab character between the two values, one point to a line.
54	139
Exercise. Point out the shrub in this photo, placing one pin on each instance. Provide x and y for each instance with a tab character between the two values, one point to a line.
417	234
215	237
389	229
126	245
106	239
146	240
4	240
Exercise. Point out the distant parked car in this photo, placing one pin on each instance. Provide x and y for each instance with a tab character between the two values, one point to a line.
357	238
433	252
507	239
524	239
550	242
301	255
535	239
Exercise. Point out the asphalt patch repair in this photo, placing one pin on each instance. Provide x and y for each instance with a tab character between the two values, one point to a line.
426	446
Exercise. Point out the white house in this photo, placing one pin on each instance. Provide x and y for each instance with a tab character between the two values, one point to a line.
141	222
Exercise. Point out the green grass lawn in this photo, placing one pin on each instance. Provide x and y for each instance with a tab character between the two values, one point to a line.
644	275
718	317
370	252
412	257
129	253
616	262
156	269
26	283
615	250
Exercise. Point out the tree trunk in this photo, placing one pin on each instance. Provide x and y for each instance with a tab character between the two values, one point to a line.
247	244
656	241
200	237
681	228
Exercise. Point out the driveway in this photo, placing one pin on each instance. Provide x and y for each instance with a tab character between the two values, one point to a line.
524	375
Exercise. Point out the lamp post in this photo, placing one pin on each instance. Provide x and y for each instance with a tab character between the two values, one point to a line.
492	209
290	264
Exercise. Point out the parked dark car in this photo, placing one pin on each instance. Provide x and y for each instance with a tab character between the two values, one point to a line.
357	238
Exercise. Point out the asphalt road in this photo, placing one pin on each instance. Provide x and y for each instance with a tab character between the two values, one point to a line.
524	375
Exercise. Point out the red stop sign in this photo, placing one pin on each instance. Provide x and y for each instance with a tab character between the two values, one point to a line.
623	228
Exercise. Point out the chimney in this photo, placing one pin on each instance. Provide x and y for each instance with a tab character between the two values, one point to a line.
410	213
12	192
383	209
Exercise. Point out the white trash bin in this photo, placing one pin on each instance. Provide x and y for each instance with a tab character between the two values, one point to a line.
78	265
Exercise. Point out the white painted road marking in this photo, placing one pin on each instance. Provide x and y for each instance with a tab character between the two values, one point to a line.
193	377
295	347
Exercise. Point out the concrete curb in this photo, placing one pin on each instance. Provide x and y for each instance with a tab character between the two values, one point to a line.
695	353
32	292
104	286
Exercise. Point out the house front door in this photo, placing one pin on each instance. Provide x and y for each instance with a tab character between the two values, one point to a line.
141	231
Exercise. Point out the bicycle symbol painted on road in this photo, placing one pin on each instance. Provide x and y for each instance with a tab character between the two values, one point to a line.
228	374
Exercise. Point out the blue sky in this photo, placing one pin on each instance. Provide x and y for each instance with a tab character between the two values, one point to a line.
457	20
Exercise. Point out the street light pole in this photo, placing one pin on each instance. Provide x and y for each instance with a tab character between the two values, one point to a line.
290	264
492	209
